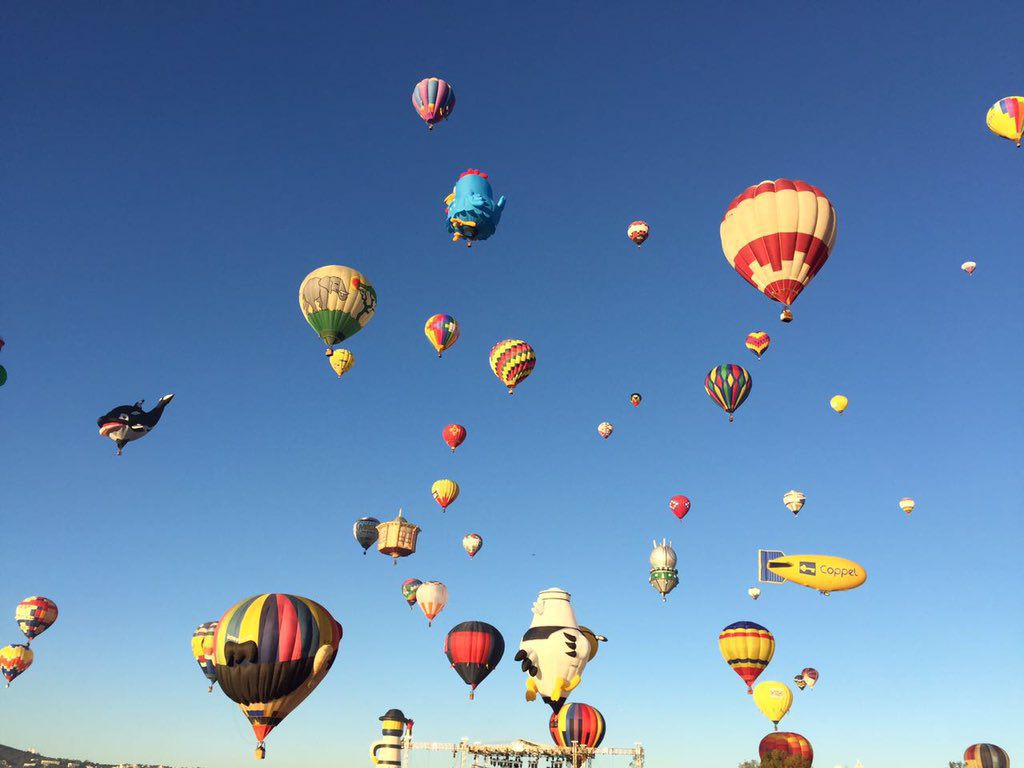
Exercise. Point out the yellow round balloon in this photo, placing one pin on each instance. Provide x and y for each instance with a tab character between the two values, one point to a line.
839	403
445	492
1006	118
341	361
773	699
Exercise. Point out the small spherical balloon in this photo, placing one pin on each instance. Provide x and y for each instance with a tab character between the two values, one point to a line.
679	505
839	403
907	505
754	592
794	501
453	435
969	267
433	99
638	232
605	429
635	399
442	331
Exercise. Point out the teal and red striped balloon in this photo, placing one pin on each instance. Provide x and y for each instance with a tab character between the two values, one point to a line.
728	385
434	100
579	723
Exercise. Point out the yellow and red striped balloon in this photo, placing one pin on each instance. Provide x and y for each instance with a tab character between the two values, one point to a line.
778	235
445	492
512	360
758	343
579	723
1006	118
788	743
747	648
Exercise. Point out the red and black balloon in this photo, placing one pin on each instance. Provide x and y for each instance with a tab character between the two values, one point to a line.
474	648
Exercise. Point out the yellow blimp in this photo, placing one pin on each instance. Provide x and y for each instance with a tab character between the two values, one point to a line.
825	573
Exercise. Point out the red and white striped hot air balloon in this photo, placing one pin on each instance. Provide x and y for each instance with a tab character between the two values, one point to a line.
778	235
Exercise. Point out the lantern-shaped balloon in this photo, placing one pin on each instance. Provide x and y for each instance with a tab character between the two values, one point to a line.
747	648
397	538
579	724
474	648
664	576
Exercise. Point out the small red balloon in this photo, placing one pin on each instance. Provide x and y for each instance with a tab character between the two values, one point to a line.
679	505
454	434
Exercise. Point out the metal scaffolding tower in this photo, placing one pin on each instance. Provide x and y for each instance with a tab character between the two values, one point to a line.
519	754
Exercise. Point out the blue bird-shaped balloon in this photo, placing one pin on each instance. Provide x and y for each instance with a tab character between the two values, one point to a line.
472	212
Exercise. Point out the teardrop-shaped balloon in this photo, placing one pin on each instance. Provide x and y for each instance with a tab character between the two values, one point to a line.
605	429
773	699
512	360
728	385
35	615
14	660
337	302
409	589
442	331
433	99
838	403
635	399
445	492
794	501
758	343
969	267
638	232
754	592
203	647
474	649
365	532
1006	118
747	648
810	676
907	504
679	505
432	596
453	435
341	361
472	542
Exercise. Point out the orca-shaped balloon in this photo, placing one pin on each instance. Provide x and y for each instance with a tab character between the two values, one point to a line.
129	422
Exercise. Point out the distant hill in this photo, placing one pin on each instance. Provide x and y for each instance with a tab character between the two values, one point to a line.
18	758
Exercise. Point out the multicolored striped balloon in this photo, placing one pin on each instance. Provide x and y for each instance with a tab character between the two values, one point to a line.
35	615
778	235
728	385
512	360
758	343
747	648
581	724
409	588
203	648
434	100
788	743
271	651
986	756
442	332
14	659
1006	118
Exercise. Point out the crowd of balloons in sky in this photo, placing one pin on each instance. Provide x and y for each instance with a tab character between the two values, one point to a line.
269	652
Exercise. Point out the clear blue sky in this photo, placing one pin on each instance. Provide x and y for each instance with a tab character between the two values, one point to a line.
172	172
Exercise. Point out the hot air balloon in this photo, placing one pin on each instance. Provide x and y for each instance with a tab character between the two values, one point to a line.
474	648
907	504
788	744
839	403
758	343
579	724
35	615
127	423
445	492
679	505
664	576
365	532
409	589
969	267
773	699
453	435
14	659
472	542
799	681
794	501
432	596
442	332
638	232
778	235
337	302
635	399
594	640
3	375
271	651
203	647
747	648
1006	118
397	538
605	429
754	592
433	99
512	360
471	210
810	676
728	385
986	756
341	361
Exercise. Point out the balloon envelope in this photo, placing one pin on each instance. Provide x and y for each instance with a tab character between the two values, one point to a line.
472	542
679	505
810	676
581	724
1006	118
635	399
788	743
758	343
512	360
453	435
341	361
442	331
432	596
445	492
474	648
773	699
409	589
728	385
14	659
969	267
839	403
794	501
986	756
747	648
638	232
271	651
365	532
203	650
433	99
605	429
907	504
35	615
337	302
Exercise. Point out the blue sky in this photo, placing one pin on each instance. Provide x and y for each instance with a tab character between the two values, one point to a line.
171	174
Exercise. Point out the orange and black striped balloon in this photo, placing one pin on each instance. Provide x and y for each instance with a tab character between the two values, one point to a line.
579	723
